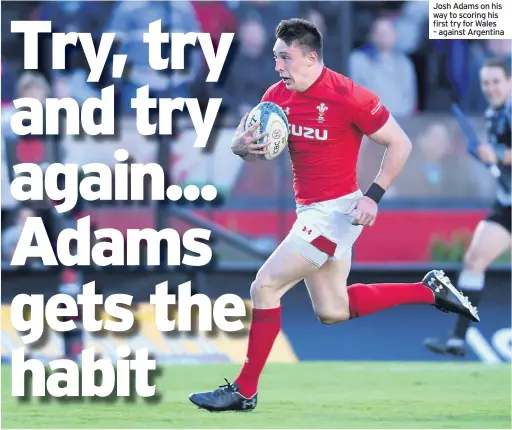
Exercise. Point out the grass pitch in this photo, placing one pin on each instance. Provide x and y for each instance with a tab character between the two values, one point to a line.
303	395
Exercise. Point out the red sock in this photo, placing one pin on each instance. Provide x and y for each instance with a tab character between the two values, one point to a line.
265	326
367	299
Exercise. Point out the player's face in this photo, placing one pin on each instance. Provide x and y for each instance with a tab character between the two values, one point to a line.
495	85
293	65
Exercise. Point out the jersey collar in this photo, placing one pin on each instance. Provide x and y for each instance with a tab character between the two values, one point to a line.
317	81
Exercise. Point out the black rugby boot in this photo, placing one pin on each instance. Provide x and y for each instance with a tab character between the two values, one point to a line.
447	297
225	398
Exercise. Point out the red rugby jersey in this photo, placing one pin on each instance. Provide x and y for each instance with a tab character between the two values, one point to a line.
327	124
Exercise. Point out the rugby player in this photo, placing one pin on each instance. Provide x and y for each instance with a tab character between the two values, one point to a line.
492	235
328	114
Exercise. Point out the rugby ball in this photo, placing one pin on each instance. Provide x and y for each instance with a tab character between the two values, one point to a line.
272	120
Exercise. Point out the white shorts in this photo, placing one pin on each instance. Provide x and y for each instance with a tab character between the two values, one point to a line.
323	231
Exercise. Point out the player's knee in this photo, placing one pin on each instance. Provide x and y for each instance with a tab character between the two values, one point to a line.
475	262
329	317
264	287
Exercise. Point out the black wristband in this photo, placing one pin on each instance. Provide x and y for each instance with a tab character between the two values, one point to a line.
375	192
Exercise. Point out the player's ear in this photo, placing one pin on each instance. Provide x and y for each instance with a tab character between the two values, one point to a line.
312	56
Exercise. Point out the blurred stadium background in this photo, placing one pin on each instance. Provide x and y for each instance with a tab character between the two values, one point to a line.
425	221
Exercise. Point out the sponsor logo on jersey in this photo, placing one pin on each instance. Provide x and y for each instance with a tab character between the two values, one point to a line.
308	132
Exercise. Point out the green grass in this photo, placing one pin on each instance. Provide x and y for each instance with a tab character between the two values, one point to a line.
305	395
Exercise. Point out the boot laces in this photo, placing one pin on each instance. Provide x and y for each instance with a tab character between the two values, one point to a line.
223	390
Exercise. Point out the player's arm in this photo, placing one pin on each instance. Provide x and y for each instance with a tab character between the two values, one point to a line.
486	150
244	143
398	148
375	121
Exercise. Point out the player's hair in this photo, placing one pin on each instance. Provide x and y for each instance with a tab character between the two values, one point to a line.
498	62
303	32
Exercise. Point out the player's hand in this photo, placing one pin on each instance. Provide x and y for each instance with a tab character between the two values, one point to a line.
487	153
244	141
365	210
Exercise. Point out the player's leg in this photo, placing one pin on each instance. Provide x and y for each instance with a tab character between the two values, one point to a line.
288	265
327	289
285	268
334	302
491	238
490	241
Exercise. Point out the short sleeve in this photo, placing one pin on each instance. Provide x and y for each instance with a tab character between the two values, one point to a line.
369	114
